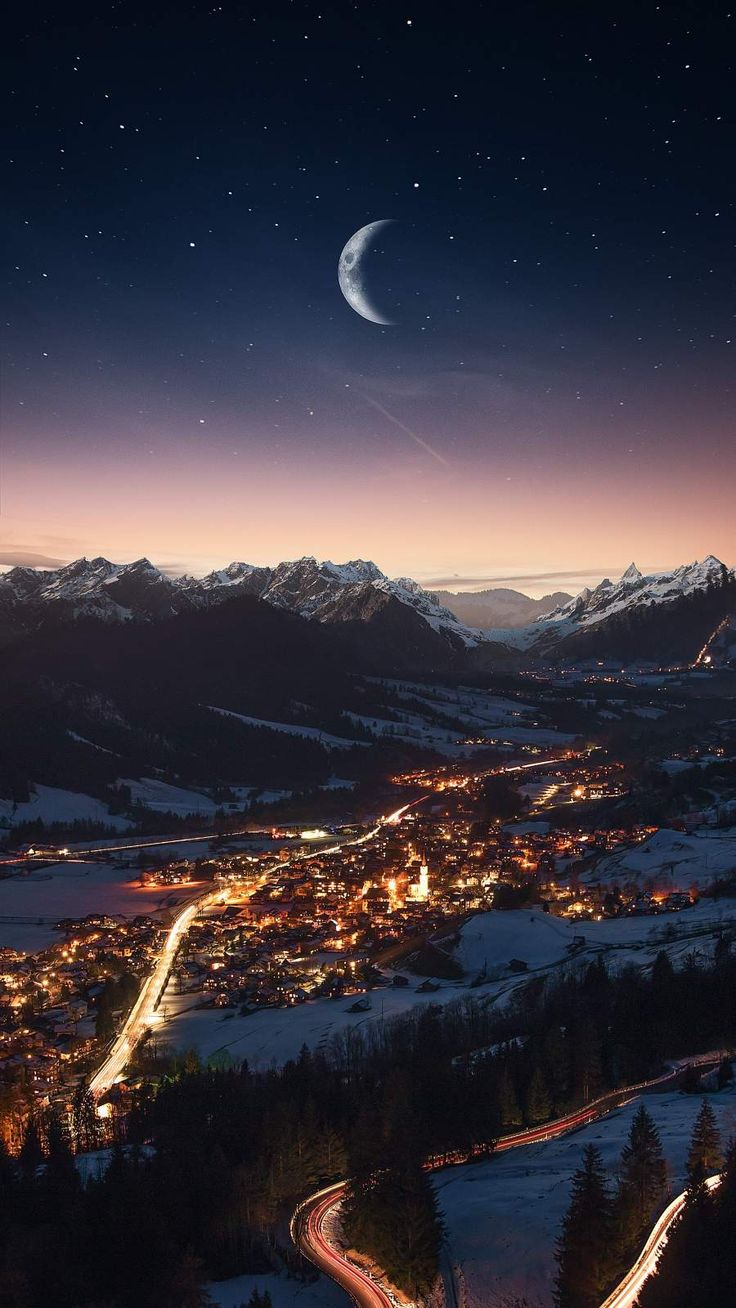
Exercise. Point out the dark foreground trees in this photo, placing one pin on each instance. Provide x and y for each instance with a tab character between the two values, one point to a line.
584	1248
698	1265
642	1184
603	1233
393	1217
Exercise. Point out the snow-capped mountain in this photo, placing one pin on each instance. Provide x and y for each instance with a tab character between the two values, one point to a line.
666	615
325	592
598	620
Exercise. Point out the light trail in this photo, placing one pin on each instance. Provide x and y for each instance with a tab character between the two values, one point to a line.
628	1290
143	1013
308	1232
312	1218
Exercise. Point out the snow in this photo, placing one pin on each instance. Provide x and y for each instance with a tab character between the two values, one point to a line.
543	941
493	719
82	740
163	798
94	1163
285	1293
504	1216
50	804
633	591
671	860
493	939
673	765
271	1037
291	729
31	904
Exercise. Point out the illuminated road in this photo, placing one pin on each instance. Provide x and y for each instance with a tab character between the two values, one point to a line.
308	1230
627	1292
311	1223
143	1014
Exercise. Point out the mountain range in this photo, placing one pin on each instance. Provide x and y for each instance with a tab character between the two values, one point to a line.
111	671
661	617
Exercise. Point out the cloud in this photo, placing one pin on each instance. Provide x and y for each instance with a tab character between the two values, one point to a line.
17	557
529	579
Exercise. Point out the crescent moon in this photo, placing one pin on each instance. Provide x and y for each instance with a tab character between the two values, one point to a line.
350	272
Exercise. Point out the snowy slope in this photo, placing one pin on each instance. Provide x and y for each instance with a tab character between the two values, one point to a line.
323	591
631	592
671	860
504	1216
50	804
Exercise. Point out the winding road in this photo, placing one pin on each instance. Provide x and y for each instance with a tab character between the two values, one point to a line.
627	1291
312	1221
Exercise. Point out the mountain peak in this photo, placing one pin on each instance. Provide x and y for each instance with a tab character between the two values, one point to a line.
632	573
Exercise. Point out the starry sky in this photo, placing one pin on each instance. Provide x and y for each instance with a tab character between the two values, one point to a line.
184	379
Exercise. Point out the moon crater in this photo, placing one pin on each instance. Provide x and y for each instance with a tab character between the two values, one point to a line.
350	273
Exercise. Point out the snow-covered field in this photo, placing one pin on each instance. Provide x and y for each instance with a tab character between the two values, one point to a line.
672	860
493	718
31	904
491	940
291	729
488	941
271	1037
163	798
503	1216
50	804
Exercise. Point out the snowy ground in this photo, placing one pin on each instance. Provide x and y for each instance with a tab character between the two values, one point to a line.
493	718
291	729
271	1037
504	1216
284	1292
31	904
163	798
50	804
671	860
489	940
541	940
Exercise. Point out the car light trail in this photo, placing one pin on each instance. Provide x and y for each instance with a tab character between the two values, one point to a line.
628	1290
309	1223
308	1231
143	1013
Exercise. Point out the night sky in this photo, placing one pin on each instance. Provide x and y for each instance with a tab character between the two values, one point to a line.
184	379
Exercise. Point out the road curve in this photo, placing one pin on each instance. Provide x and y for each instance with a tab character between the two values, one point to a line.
309	1225
308	1231
628	1290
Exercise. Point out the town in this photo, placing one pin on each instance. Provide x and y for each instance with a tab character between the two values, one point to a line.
331	913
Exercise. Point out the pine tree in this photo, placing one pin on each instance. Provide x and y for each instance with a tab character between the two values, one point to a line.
642	1181
31	1153
704	1156
586	1059
508	1102
583	1254
556	1069
85	1128
538	1104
